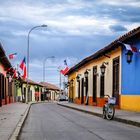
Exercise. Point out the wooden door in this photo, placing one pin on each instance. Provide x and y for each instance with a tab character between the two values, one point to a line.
82	91
116	73
94	84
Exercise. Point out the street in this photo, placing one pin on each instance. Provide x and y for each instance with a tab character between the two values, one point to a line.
48	121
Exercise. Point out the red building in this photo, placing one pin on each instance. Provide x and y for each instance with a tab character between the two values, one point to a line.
6	86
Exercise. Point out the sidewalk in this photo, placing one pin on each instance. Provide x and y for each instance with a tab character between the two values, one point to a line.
128	117
10	116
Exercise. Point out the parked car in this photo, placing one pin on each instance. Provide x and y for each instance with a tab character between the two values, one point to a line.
62	98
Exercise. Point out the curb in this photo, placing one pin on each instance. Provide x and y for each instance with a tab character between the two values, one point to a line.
134	123
130	122
85	111
16	132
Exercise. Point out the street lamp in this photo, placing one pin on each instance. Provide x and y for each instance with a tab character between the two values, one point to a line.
44	66
129	55
103	67
28	44
78	77
86	74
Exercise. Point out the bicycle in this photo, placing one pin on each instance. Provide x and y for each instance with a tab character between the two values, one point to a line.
109	108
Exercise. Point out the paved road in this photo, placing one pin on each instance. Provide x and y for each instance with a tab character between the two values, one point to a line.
52	122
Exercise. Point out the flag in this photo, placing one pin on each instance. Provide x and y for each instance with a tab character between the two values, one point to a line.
14	73
24	73
129	47
23	67
22	64
11	56
65	69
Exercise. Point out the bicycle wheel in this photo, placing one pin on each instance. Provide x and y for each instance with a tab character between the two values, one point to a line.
110	112
104	112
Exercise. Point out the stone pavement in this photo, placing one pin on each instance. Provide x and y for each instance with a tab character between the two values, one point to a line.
10	116
124	116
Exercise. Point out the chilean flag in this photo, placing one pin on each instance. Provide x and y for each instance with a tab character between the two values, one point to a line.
11	56
14	73
65	69
23	67
130	47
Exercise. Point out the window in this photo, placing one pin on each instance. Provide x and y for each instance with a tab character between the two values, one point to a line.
102	86
2	81
94	83
78	89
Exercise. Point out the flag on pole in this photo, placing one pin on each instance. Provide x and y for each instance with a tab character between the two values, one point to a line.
24	73
23	67
14	73
129	47
65	68
22	64
11	56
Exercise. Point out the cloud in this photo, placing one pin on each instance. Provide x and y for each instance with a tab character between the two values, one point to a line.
69	17
134	3
76	29
117	28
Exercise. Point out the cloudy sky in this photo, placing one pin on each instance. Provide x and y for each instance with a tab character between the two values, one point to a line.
76	29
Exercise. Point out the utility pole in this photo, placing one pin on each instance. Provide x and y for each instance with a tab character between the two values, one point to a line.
60	80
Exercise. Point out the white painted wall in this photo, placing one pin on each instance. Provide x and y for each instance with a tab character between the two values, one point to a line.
108	73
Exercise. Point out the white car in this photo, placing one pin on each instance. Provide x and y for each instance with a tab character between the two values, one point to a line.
63	98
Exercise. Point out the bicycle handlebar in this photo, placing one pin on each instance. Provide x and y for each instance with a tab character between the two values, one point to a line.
107	96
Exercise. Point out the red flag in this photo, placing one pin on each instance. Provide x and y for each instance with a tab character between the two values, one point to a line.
14	73
22	64
23	67
65	69
24	73
129	47
11	56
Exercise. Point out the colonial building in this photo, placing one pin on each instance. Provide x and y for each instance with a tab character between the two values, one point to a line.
51	91
34	91
113	70
6	86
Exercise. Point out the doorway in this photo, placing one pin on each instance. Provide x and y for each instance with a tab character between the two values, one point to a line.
82	91
94	96
116	73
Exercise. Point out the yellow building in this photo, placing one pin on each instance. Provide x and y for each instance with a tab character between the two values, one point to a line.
34	91
72	86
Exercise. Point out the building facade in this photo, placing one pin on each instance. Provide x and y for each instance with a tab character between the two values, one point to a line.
51	91
6	85
109	72
34	91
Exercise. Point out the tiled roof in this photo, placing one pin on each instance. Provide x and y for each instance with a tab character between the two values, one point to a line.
3	58
31	82
49	86
102	52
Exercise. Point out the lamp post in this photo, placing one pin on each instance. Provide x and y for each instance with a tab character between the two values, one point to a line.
28	44
44	62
